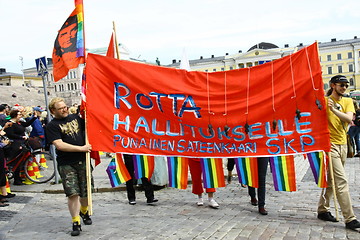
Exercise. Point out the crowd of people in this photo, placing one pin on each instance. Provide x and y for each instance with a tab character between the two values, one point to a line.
18	124
66	132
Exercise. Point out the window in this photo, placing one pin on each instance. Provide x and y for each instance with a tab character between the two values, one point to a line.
329	70
55	88
339	69
339	56
206	70
70	75
351	80
329	57
222	69
349	54
231	68
214	70
351	68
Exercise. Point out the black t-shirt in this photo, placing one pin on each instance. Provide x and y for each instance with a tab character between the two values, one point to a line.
69	130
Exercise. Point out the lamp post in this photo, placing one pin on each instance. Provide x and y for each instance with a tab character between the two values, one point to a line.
22	67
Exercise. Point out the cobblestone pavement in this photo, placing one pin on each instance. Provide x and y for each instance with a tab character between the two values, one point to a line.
38	215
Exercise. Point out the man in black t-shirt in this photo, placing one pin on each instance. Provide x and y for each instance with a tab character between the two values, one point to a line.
66	132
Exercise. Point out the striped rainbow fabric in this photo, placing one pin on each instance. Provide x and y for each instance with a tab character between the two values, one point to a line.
80	52
247	170
283	171
178	172
213	172
117	171
143	166
318	167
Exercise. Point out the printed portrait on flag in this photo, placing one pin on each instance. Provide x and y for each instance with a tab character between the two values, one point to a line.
66	41
67	45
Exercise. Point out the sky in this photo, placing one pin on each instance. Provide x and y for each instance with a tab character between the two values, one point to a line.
164	28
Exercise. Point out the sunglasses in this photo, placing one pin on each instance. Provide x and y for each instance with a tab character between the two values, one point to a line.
343	85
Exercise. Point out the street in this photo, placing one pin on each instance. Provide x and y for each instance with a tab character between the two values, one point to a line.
292	215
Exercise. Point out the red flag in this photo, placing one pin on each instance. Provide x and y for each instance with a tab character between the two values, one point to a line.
68	50
111	50
96	156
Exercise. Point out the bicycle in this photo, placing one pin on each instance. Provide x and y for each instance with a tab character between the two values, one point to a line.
29	159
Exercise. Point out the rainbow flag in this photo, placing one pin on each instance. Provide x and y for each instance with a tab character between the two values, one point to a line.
178	172
283	171
213	172
69	50
80	50
247	170
318	167
117	171
143	166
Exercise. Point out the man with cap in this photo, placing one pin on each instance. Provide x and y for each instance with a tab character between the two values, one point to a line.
340	111
37	128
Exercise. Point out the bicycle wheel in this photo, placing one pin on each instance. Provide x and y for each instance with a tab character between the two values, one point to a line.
39	168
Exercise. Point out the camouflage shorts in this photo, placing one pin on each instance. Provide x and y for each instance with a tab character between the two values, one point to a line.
73	178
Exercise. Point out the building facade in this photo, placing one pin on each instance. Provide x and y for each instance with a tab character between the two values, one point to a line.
336	57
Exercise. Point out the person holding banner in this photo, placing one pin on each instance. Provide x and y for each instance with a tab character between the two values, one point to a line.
66	132
197	188
146	183
262	169
340	112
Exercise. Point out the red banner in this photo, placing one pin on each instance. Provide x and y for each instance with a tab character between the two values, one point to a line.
271	109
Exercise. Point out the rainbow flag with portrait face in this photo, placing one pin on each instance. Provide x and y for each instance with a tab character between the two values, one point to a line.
143	166
69	46
117	171
283	172
318	165
213	172
178	170
247	170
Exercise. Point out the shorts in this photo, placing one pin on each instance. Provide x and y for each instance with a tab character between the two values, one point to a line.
73	178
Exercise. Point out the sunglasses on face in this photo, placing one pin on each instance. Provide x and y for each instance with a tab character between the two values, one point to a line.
343	85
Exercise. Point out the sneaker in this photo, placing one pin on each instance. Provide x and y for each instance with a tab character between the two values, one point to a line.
132	202
150	201
86	218
213	204
353	225
76	228
326	216
200	202
4	204
263	211
254	201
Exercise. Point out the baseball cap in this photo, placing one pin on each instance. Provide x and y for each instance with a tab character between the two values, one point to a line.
38	109
339	79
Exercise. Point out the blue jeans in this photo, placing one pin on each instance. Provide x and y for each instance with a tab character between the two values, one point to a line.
354	133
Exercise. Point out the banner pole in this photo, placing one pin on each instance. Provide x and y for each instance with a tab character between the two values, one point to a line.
88	171
333	186
116	43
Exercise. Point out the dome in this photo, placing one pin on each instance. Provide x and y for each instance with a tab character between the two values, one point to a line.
263	45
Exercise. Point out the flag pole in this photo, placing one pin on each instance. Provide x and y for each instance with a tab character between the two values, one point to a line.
88	163
116	43
333	186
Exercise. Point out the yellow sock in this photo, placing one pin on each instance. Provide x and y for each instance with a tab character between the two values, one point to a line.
83	209
76	219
